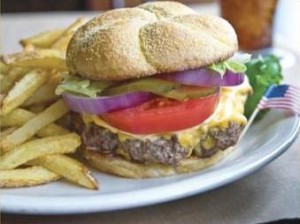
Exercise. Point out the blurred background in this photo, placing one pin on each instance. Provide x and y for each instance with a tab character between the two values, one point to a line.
74	5
284	24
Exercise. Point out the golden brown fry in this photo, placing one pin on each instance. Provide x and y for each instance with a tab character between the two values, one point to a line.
24	125
26	177
3	68
42	40
23	90
45	94
68	168
33	149
38	108
29	47
7	131
52	130
1	77
39	58
12	76
30	128
56	77
62	42
2	96
19	117
4	133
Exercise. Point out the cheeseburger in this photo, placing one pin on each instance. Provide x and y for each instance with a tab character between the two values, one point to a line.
155	90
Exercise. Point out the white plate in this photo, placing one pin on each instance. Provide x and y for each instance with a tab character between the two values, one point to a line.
263	143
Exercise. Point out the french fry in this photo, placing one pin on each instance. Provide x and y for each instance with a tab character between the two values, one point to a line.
3	68
56	77
68	168
12	76
52	130
4	133
62	42
39	58
30	128
45	94
33	149
28	79
28	47
26	177
2	96
19	117
42	40
37	108
1	77
7	131
23	90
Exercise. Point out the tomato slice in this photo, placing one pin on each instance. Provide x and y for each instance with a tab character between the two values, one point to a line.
162	115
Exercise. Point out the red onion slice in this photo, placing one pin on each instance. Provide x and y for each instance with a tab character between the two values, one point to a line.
101	105
205	77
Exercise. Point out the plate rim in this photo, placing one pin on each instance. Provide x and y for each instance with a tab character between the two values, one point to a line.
8	205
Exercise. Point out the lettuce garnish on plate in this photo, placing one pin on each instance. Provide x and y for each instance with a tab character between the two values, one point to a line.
262	72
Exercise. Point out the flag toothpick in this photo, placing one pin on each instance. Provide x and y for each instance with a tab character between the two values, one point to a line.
277	96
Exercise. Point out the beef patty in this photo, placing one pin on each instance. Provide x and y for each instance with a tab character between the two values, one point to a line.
160	150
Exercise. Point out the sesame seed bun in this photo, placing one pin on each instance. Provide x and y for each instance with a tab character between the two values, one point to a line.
156	37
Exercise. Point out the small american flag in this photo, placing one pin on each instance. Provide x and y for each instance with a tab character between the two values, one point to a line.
283	97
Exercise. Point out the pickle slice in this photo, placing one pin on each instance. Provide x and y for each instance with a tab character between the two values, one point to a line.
185	92
156	86
163	88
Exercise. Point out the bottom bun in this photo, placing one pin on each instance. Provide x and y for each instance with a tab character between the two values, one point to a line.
118	166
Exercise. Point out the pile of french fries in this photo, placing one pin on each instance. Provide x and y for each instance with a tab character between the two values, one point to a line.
33	147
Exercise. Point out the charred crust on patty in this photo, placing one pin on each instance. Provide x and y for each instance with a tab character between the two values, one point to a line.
165	151
161	150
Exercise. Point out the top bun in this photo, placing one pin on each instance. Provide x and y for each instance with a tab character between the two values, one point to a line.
155	37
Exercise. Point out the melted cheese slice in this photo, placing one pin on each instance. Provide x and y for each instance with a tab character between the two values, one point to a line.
229	109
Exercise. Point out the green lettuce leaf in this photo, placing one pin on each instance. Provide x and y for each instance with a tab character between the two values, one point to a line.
236	65
81	86
262	72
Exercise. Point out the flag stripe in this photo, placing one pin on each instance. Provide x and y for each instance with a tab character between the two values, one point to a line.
281	96
286	108
291	101
293	96
294	89
278	103
282	100
264	105
297	110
